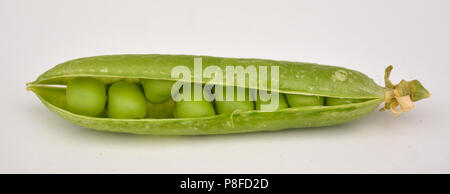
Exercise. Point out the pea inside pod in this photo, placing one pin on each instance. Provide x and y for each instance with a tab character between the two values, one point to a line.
241	100
340	101
126	101
295	100
192	107
138	99
157	91
86	96
277	101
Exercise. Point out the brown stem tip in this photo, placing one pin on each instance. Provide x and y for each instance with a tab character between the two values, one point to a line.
399	98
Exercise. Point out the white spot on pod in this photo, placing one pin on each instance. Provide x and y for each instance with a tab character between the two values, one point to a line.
340	75
104	70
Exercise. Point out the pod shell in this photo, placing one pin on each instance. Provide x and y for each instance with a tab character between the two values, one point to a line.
295	78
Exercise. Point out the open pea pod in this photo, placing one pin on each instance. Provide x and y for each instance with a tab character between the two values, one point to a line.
294	78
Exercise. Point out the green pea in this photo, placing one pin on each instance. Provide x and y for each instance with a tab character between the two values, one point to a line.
126	100
304	100
192	108
157	91
282	104
86	96
339	101
223	106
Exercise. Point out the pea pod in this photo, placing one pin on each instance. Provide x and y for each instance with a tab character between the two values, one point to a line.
296	78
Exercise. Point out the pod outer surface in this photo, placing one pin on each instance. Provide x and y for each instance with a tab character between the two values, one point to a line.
294	77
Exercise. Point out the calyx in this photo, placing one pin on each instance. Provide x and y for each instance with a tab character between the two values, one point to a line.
399	98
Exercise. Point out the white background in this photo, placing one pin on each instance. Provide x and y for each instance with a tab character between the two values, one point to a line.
362	35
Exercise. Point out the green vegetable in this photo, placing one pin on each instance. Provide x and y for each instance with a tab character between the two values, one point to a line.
193	108
303	100
348	95
126	101
86	96
340	101
157	91
267	106
234	105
